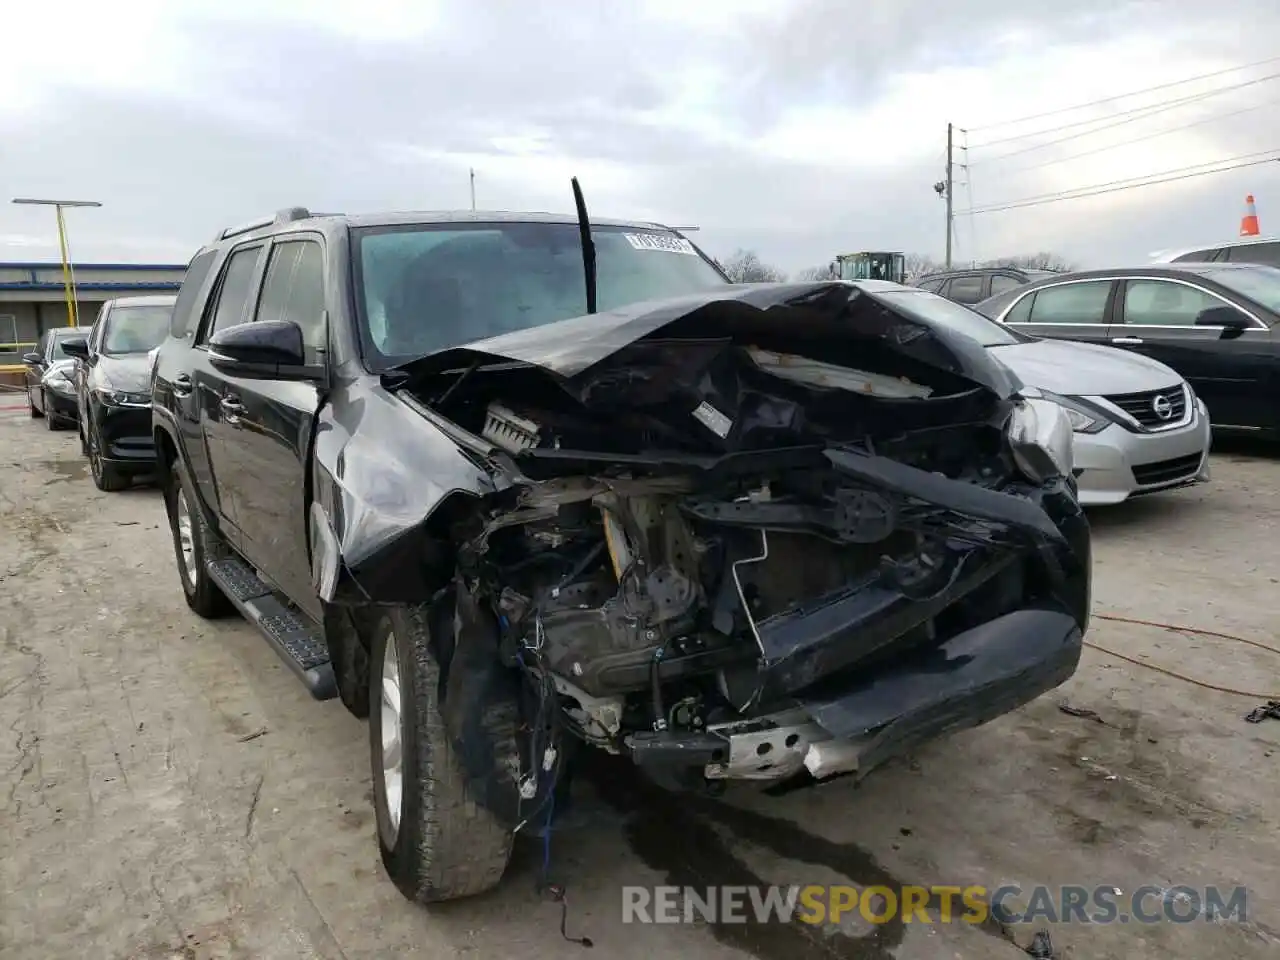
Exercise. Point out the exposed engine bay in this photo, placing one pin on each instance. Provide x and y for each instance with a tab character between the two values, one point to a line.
730	560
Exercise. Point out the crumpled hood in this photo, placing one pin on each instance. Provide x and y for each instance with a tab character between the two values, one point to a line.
1084	369
60	367
569	347
130	373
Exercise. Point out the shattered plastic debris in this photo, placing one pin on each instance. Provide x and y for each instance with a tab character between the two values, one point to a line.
1269	710
1041	946
1084	712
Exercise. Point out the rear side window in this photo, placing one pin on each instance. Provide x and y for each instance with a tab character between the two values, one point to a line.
933	286
1021	311
184	310
1265	253
294	289
965	290
1000	284
233	292
1072	303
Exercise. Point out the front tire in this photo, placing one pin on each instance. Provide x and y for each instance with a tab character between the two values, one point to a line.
50	418
194	545
31	406
106	477
437	843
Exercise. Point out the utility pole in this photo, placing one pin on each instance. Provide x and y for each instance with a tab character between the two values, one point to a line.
950	184
68	273
473	189
943	188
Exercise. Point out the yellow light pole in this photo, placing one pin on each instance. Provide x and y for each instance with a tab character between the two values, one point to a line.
68	274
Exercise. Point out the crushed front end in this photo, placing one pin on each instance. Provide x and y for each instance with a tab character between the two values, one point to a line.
728	560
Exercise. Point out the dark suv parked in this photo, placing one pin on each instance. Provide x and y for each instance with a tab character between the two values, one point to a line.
972	286
513	485
113	389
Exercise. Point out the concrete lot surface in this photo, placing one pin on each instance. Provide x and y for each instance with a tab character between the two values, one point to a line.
169	790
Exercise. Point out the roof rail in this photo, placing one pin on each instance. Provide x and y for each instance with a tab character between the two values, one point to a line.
287	215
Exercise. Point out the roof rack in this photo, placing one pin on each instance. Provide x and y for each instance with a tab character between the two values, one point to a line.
287	215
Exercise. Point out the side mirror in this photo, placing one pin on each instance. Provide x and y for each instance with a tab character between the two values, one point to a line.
32	359
1224	316
262	350
77	347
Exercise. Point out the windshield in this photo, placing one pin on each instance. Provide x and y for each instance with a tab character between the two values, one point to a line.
135	329
931	308
1260	284
427	287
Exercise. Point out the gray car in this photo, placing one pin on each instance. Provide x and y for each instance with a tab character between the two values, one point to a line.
1139	427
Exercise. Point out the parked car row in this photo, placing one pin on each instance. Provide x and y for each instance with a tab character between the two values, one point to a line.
98	379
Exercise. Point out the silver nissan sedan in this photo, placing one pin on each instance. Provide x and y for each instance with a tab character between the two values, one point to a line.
1139	427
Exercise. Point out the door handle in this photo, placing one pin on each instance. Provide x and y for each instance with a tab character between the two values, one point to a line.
181	385
232	408
1127	341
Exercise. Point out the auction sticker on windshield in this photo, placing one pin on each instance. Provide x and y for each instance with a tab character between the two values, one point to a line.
663	244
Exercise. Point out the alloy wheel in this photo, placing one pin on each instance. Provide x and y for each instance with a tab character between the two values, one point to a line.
392	725
186	537
95	457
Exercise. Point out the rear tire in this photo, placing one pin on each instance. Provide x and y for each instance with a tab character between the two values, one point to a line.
194	544
436	842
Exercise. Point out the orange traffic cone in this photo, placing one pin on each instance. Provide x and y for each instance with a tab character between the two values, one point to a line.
1249	222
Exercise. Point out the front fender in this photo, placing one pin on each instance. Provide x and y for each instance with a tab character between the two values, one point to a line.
381	473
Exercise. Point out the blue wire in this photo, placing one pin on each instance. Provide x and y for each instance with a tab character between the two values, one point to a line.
546	835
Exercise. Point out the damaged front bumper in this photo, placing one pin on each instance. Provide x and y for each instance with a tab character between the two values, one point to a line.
974	677
839	697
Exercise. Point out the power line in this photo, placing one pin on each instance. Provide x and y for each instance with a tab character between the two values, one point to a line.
1143	139
1124	96
1134	183
1117	120
1152	111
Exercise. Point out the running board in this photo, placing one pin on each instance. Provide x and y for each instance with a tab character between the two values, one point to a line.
300	644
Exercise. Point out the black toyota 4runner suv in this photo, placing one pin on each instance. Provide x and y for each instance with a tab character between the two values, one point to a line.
514	486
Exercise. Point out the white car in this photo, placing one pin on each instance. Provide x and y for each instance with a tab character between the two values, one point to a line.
1138	426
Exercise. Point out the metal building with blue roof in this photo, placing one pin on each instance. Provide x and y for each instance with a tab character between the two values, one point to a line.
33	297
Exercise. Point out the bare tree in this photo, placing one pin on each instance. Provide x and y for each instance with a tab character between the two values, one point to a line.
1033	261
745	266
824	272
918	264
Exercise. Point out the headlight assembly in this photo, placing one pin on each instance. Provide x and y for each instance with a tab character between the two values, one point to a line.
1083	419
123	398
1039	432
59	381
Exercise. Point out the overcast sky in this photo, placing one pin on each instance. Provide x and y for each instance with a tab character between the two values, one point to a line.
798	128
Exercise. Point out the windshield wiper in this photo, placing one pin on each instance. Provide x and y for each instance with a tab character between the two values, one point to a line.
588	245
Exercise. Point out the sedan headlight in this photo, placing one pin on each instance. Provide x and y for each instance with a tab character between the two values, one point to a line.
57	379
1083	419
124	398
1039	432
